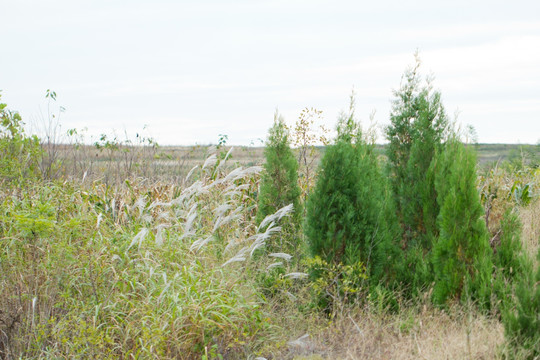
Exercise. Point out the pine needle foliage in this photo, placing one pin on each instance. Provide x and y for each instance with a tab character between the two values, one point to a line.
462	255
511	263
509	256
521	319
346	211
279	181
418	126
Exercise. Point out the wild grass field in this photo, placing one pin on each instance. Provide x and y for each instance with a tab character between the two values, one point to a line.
151	268
348	251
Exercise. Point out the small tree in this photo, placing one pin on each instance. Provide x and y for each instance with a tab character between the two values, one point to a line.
521	318
509	256
279	183
511	262
346	211
418	126
462	255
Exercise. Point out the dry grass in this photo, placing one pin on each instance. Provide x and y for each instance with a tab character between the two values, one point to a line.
530	218
174	162
165	163
431	334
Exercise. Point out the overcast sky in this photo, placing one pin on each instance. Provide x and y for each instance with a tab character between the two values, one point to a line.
191	70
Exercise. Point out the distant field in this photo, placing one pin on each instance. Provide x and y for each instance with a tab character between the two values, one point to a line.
487	153
491	153
174	162
244	154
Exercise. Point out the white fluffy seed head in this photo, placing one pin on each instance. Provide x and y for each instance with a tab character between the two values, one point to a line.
199	243
191	172
284	211
297	275
138	239
273	265
210	161
283	256
240	256
140	203
99	219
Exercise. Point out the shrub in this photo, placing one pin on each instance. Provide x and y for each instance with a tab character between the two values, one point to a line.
279	180
461	256
335	284
510	261
346	212
304	137
521	320
418	127
19	154
509	257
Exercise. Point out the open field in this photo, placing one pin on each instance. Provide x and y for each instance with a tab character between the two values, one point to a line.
175	162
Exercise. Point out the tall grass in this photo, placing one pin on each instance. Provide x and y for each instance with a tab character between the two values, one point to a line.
143	270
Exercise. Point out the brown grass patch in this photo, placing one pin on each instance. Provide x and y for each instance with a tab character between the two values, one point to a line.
530	218
431	334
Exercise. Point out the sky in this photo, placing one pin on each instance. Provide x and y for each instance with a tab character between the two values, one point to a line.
184	72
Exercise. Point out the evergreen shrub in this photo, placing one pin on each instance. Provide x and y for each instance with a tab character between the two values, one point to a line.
462	255
521	318
418	127
348	218
279	180
417	131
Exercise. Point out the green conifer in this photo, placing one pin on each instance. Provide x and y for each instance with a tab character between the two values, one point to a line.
509	257
510	261
279	182
462	255
347	216
521	318
417	130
